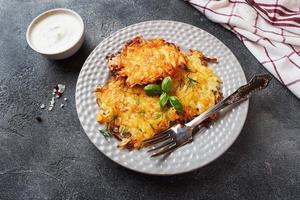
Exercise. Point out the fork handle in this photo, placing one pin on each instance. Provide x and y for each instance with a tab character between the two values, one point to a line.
257	83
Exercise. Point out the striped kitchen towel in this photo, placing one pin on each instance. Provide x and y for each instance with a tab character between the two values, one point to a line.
269	29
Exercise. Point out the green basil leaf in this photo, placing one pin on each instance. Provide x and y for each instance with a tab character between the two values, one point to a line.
163	99
152	89
174	101
166	84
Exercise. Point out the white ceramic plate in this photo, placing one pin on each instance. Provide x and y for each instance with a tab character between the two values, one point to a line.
206	146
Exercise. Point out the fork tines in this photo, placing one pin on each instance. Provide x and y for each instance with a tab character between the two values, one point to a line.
157	138
168	144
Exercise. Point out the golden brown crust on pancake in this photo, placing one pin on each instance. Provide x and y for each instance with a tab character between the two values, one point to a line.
132	116
145	61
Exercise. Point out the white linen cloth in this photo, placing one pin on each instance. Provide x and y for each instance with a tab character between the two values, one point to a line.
269	29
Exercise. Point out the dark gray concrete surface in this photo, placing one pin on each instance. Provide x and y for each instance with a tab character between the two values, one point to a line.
55	159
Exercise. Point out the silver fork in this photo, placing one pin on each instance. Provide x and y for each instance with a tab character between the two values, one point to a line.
181	134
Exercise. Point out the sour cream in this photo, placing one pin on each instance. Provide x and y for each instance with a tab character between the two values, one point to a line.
55	31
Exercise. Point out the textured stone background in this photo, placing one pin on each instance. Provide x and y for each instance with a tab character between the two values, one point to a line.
55	160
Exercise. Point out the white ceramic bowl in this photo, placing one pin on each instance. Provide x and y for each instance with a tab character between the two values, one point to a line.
68	50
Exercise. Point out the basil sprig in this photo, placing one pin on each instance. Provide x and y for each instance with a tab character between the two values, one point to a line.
163	90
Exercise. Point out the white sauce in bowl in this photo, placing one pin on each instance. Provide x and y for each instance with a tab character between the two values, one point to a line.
56	31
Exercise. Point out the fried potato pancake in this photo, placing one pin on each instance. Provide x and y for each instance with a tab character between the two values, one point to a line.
197	87
132	116
145	61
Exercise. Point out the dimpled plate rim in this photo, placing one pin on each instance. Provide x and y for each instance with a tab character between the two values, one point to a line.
206	146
